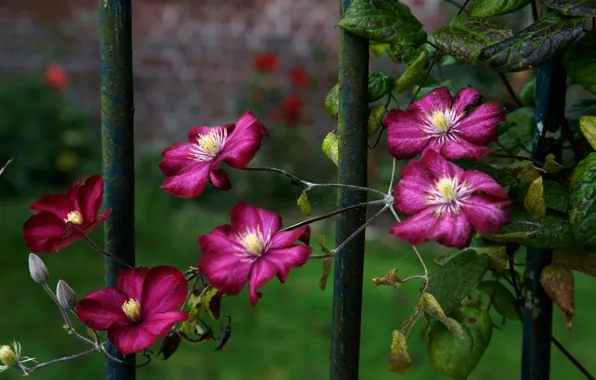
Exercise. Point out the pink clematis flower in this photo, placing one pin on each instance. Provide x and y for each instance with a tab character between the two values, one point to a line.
62	219
251	249
441	123
140	308
445	203
188	165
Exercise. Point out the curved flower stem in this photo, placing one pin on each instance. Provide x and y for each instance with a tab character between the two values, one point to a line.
28	370
100	250
2	169
392	176
309	185
336	212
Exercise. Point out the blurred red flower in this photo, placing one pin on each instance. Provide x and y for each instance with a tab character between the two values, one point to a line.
299	77
292	108
266	62
56	77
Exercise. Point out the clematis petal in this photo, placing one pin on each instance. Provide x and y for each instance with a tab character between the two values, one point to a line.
486	213
450	230
481	126
409	194
40	228
73	192
194	134
244	215
439	167
90	197
101	308
190	183
57	204
226	271
286	259
130	282
160	323
462	148
438	99
219	179
262	271
283	239
464	98
165	289
479	181
176	159
244	140
129	339
405	139
70	234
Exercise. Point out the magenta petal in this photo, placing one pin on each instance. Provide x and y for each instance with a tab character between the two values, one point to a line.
462	148
243	142
450	230
220	179
160	323
101	308
164	290
89	197
176	159
287	259
73	192
104	215
245	216
129	339
57	204
437	99
40	228
130	282
262	271
70	234
410	191
481	126
283	239
479	181
439	167
226	271
194	134
189	184
486	213
464	98
405	139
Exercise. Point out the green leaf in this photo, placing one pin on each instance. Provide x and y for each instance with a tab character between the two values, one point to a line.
396	53
331	147
413	73
553	232
383	21
582	202
503	177
527	95
304	204
534	200
573	7
466	36
533	45
453	281
379	85
503	301
580	61
556	195
376	114
428	87
516	131
490	8
325	273
457	358
332	102
496	252
573	112
587	125
550	165
399	357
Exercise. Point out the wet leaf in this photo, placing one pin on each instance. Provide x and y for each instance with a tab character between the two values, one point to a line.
582	202
383	21
325	273
453	281
490	8
376	114
331	147
304	204
414	72
502	300
533	45
466	36
558	283
580	61
399	357
573	7
454	357
587	125
332	102
390	278
550	165
534	201
527	94
516	131
379	85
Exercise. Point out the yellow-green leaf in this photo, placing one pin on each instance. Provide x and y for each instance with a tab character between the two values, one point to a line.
413	73
304	204
587	124
390	278
331	147
375	118
534	201
325	273
399	357
552	166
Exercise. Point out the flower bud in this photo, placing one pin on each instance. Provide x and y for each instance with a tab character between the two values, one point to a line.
37	269
66	296
8	357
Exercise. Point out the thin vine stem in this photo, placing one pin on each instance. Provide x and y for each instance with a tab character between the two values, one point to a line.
28	370
107	254
3	168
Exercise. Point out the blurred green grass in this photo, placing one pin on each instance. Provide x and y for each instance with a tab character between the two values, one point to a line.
285	337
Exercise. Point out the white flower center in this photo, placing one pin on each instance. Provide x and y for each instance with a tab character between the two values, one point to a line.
74	217
210	145
448	194
132	310
254	241
441	123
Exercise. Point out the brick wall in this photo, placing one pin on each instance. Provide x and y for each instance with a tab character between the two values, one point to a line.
190	57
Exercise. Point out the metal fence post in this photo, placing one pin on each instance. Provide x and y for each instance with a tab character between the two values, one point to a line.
550	115
349	262
117	111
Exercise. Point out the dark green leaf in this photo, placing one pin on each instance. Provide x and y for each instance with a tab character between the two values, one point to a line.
502	300
533	45
573	7
376	114
573	112
466	36
528	92
413	73
455	357
582	202
332	102
453	281
379	85
580	61
516	130
555	194
553	232
383	21
489	8
503	177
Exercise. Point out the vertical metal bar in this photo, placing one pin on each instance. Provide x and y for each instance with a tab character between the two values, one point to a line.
117	112
349	262
550	116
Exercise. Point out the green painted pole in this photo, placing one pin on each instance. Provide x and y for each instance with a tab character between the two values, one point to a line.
117	113
349	262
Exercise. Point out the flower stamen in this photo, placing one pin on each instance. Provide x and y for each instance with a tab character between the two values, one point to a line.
254	241
74	217
448	194
132	310
208	146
